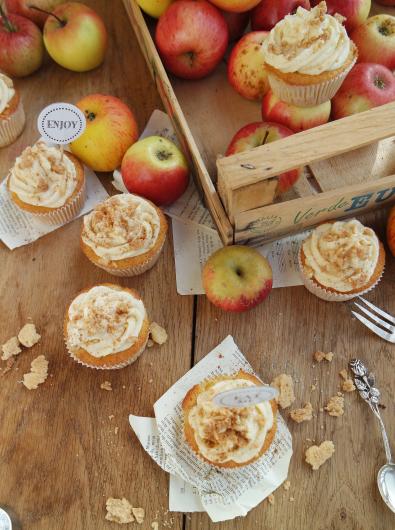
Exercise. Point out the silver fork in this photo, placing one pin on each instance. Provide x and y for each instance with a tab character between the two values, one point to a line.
383	327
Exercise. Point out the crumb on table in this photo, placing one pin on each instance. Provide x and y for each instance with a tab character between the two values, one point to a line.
302	414
28	335
271	500
284	385
335	406
119	511
10	348
319	356
106	386
157	333
318	455
38	373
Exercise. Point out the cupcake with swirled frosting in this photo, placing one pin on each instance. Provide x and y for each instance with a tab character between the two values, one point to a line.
12	115
48	183
227	437
308	55
106	327
341	260
124	235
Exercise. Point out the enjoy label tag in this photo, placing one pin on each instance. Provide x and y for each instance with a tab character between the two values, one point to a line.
245	397
61	123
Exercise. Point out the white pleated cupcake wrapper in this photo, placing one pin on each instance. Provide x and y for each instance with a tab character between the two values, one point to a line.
307	95
65	213
133	270
329	296
13	126
111	366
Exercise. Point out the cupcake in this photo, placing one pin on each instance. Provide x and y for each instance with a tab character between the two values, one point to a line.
227	437
106	327
308	56
340	260
48	183
124	235
12	115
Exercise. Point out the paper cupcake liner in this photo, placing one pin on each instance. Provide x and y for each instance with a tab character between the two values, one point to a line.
330	296
132	270
307	95
110	366
65	213
12	127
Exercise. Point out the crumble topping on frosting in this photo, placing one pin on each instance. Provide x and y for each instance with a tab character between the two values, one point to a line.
308	42
104	321
43	176
121	227
224	434
7	92
341	255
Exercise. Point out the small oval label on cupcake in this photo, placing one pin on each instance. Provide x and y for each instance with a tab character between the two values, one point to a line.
61	123
245	397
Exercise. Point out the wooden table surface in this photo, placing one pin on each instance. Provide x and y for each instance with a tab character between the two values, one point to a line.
59	455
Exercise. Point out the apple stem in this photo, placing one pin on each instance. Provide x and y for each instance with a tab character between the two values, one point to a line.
61	22
265	137
7	22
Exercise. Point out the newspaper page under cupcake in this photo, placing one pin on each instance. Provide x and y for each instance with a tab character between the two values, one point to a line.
223	493
18	228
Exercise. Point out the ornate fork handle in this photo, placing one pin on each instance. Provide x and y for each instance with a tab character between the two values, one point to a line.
364	381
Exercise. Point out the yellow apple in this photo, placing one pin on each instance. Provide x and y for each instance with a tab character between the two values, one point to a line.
154	8
111	129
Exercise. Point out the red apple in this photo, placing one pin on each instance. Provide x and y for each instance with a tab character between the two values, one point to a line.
111	129
368	85
295	118
75	37
21	45
260	133
155	169
237	23
237	278
235	6
246	66
192	38
375	40
268	12
355	11
23	7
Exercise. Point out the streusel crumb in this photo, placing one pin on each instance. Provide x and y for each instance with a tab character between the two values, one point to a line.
106	385
38	373
319	356
303	414
139	514
271	499
348	385
335	406
119	511
285	386
28	335
318	455
157	333
10	348
343	373
287	485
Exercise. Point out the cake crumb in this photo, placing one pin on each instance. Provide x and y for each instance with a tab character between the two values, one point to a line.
116	430
318	455
319	356
119	511
313	387
150	343
139	514
348	385
343	374
155	525
157	333
106	385
287	485
303	414
271	499
335	406
10	348
111	416
38	373
28	335
285	386
9	364
291	499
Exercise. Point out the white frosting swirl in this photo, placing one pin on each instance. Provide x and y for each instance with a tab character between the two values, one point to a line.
224	434
43	176
7	92
308	42
121	227
104	321
341	255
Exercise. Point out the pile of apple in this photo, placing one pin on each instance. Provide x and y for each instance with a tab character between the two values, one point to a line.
193	36
74	36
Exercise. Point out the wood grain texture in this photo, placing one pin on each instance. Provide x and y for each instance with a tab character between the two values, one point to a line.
279	336
59	455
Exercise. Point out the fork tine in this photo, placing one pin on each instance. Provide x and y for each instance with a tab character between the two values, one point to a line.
379	311
374	317
379	331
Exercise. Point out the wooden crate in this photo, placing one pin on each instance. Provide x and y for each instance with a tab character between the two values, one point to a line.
349	166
